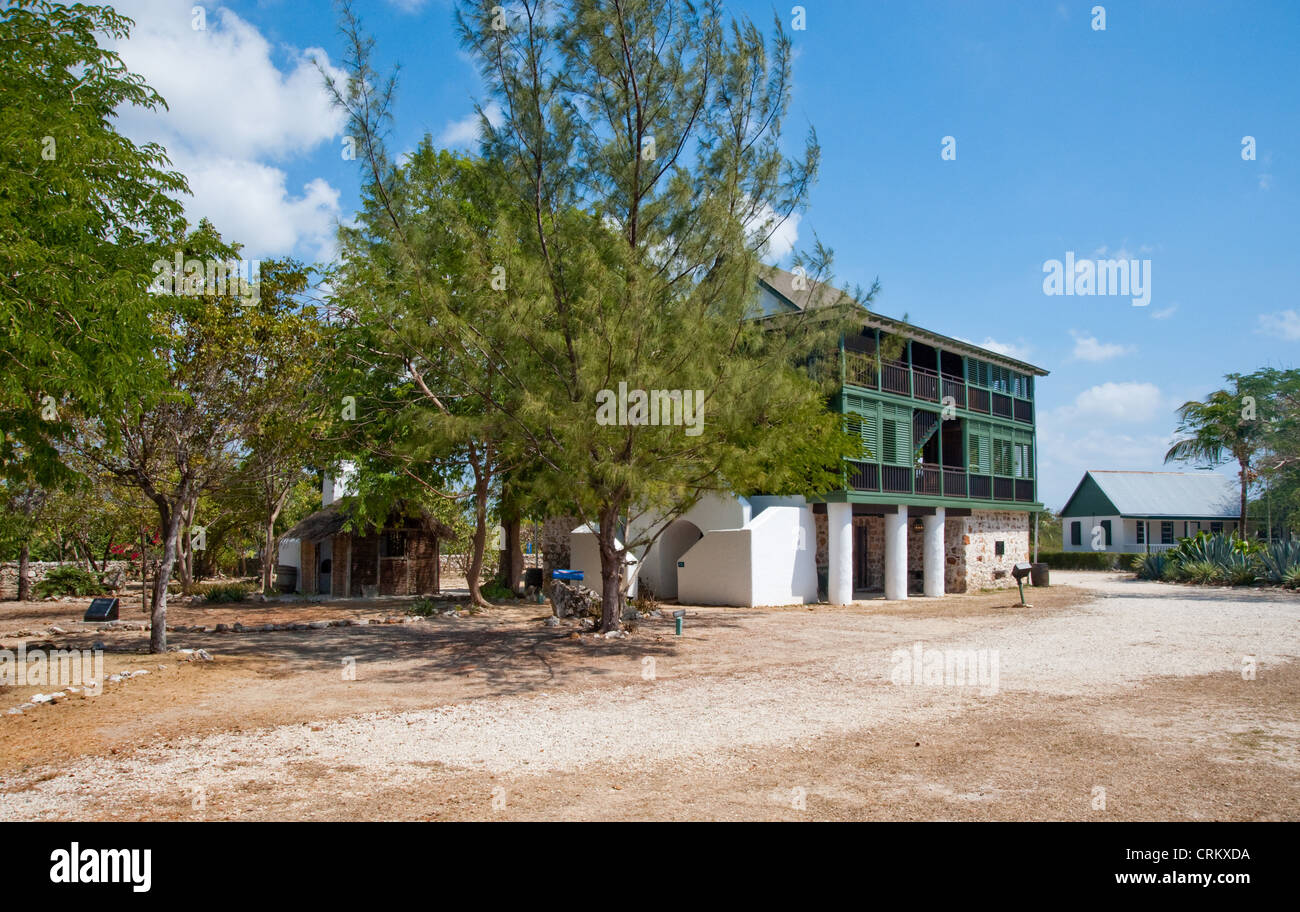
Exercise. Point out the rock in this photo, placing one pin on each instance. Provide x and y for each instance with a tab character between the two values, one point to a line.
25	706
588	624
203	656
552	621
222	628
38	699
57	630
239	628
616	635
343	623
318	625
16	711
574	600
58	696
630	613
114	678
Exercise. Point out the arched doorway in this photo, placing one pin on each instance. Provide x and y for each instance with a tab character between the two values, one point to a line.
676	541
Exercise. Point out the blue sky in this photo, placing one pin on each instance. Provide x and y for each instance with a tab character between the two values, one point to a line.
1123	142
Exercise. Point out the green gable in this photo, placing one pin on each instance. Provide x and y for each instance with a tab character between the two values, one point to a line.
1089	499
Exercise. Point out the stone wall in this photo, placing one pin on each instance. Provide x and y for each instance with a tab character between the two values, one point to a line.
979	534
37	570
555	543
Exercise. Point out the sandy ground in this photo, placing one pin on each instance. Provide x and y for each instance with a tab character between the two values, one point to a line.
1108	699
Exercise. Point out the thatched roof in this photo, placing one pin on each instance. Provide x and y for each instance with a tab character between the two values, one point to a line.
330	521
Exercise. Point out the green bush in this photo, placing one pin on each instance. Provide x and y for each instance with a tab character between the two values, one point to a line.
425	607
1150	566
222	593
1079	560
68	581
1292	578
1202	572
494	590
1280	558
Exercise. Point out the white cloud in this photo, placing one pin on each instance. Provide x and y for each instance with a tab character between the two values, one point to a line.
1127	402
231	112
467	130
1087	348
1164	313
1284	323
1017	350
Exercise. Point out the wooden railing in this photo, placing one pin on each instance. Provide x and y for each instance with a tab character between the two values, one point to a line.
897	479
1001	405
954	483
927	480
895	378
956	388
1024	410
860	369
981	487
925	384
979	399
864	476
1003	489
1024	490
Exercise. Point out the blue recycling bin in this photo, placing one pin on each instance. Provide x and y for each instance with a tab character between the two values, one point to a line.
571	575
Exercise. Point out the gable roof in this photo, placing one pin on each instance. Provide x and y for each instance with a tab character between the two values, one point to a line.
329	521
1193	495
820	295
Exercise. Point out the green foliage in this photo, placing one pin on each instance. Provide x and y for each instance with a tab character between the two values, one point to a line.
424	607
1150	566
77	237
68	581
1279	558
1291	579
1079	560
494	590
222	593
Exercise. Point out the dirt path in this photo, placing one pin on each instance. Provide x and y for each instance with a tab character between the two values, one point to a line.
1138	692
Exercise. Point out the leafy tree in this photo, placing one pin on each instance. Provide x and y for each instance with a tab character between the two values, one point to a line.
81	210
218	346
1225	426
640	148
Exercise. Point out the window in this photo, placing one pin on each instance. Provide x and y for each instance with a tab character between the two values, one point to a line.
1141	528
1105	524
1024	459
1076	533
1002	462
978	440
1216	528
1166	533
393	544
999	548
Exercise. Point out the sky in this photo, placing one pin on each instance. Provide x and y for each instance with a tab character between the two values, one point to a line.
964	146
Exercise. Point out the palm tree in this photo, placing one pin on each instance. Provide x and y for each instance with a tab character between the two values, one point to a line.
1216	430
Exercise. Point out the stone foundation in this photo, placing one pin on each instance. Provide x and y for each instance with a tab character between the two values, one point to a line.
37	570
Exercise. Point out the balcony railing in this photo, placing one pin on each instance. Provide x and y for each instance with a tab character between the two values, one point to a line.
896	378
954	387
1024	411
925	384
927	480
1001	405
860	369
937	481
954	483
979	399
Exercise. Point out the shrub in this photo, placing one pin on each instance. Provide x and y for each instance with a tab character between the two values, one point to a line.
1079	560
1292	578
1202	571
1279	558
494	590
222	593
68	581
1150	566
424	607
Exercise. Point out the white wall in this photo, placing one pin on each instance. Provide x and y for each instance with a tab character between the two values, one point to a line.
718	570
333	489
584	555
290	553
784	549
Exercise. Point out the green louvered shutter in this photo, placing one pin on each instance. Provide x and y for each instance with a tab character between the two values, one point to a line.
896	435
979	462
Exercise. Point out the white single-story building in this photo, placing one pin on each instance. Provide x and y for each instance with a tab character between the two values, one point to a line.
1136	512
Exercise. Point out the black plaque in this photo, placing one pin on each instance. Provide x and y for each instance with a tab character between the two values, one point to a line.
102	609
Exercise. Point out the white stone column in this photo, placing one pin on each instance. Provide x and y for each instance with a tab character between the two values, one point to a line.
934	554
839	553
896	554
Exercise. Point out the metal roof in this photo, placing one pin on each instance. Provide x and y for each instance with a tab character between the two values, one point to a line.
823	295
1170	494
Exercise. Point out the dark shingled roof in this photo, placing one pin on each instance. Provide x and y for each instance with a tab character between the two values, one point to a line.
330	521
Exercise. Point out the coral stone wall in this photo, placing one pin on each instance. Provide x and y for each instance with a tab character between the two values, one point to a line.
555	543
37	569
982	530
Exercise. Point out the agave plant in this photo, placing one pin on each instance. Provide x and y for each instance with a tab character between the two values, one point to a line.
1150	566
1203	572
1292	577
1279	558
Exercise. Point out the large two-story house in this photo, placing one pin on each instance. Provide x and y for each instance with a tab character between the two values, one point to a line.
941	502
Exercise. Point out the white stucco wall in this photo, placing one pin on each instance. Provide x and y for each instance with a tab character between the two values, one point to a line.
1124	532
584	555
290	553
718	570
784	550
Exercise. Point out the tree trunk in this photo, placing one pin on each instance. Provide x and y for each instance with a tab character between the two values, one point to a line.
171	524
1245	482
144	581
268	557
512	556
611	572
24	569
475	569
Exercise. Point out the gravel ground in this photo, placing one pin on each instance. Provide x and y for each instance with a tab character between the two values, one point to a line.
1131	631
